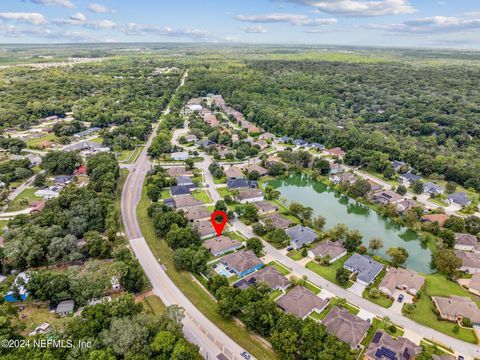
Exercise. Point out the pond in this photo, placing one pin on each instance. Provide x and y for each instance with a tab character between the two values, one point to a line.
339	209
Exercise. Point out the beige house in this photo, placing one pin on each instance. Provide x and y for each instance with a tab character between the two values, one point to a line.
467	242
186	201
301	302
264	208
402	279
220	245
473	284
333	249
347	327
399	348
455	308
470	261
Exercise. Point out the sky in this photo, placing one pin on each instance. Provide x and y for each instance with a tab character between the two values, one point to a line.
396	23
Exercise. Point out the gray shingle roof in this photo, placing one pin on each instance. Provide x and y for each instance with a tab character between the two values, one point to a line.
301	235
364	266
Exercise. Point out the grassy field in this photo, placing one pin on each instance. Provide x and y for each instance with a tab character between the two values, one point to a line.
35	316
282	269
202	195
23	200
196	294
329	272
152	304
34	142
295	255
438	285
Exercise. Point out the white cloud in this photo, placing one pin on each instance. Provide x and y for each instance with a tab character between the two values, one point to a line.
32	18
139	29
434	24
294	19
45	33
78	17
255	29
359	7
65	3
99	9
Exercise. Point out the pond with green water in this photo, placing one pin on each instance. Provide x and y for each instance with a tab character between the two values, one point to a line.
340	209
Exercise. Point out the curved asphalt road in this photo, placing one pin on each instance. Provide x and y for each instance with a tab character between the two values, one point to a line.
196	326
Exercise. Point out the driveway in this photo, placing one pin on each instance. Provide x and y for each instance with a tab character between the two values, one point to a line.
397	306
357	288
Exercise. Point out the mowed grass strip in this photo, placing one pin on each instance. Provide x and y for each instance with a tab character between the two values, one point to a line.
183	280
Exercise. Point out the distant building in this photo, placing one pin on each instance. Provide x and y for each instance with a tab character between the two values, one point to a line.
267	136
179	190
348	178
473	284
317	146
405	205
347	327
438	218
265	208
184	180
432	189
63	179
205	229
48	193
459	198
300	236
180	156
386	197
197	213
333	249
175	171
43	328
186	201
365	268
301	302
407	179
206	143
234	172
239	184
277	221
220	245
300	142
87	132
398	165
191	138
337	151
470	261
254	167
242	262
336	168
65	308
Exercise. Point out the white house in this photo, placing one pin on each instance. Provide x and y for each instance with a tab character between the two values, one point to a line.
180	156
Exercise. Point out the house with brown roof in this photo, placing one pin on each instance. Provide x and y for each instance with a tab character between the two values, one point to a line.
176	171
254	167
385	347
438	218
473	284
374	186
402	279
455	308
234	172
261	143
197	213
470	261
37	206
272	160
242	262
466	242
268	275
301	302
220	245
205	229
267	136
186	201
347	327
277	221
386	197
344	178
249	196
405	205
334	250
337	151
265	208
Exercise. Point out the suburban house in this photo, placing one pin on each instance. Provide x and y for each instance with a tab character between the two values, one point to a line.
37	206
205	143
250	196
254	167
262	144
301	302
347	327
268	275
205	229
191	138
459	198
385	347
184	180
267	136
48	193
473	284
405	205
402	279
300	235
397	165
197	214
234	172
186	201
336	168
176	171
344	178
334	250
277	221
264	207
220	245
470	261
82	145
316	146
179	190
364	267
63	179
408	178
432	189
179	156
169	203
385	197
241	183
467	242
285	139
374	187
19	284
300	142
455	308
337	151
87	132
65	308
438	218
243	262
272	160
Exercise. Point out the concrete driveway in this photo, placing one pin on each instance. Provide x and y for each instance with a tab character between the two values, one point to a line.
357	288
397	306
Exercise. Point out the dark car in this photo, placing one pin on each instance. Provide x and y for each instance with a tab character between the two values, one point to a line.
290	248
400	298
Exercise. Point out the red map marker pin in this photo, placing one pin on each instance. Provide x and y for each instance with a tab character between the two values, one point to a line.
219	226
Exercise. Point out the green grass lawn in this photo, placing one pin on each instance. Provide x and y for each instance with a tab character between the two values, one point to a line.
274	294
224	192
202	195
382	300
282	269
195	293
124	155
438	285
34	142
438	201
329	272
98	140
3	223
295	255
152	304
135	154
23	200
236	236
312	287
223	180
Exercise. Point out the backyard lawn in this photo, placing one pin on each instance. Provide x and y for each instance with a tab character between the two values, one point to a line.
153	304
23	200
295	255
438	285
34	142
329	272
382	300
202	195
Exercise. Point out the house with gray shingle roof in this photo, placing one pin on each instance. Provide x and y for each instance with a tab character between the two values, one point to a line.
301	235
459	198
268	275
365	268
220	245
432	189
347	327
465	241
301	302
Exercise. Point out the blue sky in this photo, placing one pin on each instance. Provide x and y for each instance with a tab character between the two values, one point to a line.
419	23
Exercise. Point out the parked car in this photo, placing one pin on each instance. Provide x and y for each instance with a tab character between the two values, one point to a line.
400	298
245	355
290	248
